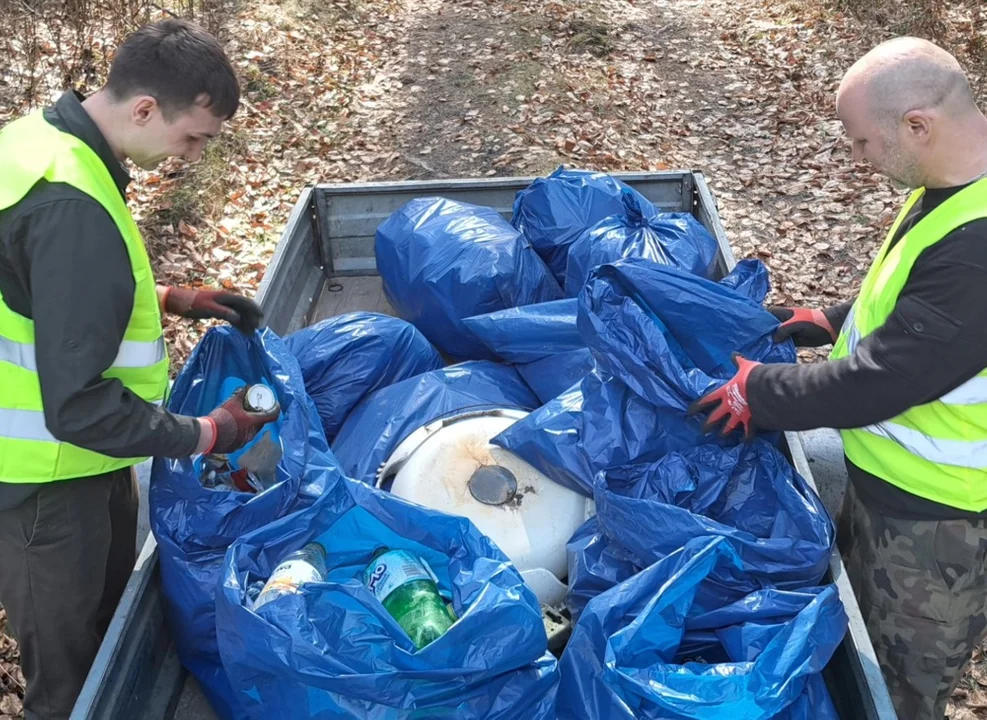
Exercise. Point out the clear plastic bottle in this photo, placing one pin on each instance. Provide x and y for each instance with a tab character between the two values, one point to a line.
405	587
307	565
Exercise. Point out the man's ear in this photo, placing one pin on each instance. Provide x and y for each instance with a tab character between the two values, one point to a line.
918	125
143	109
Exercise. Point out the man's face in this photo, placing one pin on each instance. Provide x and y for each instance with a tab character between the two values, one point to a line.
185	135
887	149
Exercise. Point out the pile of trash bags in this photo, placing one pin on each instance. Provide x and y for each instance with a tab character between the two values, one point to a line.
694	591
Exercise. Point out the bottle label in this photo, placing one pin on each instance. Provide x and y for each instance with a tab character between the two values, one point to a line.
392	570
292	573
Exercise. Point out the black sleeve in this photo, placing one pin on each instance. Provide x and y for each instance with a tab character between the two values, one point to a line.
837	314
934	340
82	288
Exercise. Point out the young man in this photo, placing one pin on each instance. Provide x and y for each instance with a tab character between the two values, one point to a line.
906	382
83	367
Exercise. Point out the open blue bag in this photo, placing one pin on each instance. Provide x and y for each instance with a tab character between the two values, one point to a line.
333	651
194	525
641	231
386	417
541	341
643	650
441	260
345	357
660	338
553	211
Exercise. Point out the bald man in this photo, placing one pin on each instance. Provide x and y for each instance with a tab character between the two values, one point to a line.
906	381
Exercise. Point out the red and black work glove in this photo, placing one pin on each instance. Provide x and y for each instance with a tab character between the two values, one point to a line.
240	312
235	426
807	328
729	402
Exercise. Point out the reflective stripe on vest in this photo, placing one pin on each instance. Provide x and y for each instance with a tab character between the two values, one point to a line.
31	150
132	354
937	450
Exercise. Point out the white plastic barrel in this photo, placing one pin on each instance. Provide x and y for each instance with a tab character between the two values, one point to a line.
450	465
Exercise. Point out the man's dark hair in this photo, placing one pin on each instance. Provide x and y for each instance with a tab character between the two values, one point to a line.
177	63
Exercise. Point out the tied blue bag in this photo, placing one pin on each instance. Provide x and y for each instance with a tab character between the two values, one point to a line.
643	650
441	260
333	651
660	338
641	231
747	493
386	417
344	358
541	341
553	211
194	525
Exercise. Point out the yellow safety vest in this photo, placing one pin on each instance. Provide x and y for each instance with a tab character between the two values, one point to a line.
31	149
938	450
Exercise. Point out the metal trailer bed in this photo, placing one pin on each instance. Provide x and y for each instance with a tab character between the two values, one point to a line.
324	266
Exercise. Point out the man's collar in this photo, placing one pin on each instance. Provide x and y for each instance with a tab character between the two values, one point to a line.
68	115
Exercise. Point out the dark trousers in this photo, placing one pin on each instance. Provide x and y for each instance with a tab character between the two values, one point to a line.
65	556
922	588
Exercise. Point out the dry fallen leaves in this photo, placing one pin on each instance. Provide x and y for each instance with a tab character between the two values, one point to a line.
352	90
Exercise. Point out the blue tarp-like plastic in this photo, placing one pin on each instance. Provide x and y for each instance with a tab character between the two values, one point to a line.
345	357
193	525
383	419
747	493
441	260
333	651
641	231
644	650
553	211
660	338
542	341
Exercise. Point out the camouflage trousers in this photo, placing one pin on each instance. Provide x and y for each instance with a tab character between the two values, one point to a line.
922	589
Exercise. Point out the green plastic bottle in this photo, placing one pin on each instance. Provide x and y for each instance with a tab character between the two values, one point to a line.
405	587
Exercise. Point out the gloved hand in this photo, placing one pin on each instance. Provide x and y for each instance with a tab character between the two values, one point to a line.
232	426
808	328
730	402
244	314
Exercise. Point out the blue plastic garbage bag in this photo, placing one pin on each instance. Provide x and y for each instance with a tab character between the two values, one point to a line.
386	417
348	356
333	651
441	260
642	650
749	278
554	374
747	493
529	333
660	338
553	211
542	341
194	525
641	231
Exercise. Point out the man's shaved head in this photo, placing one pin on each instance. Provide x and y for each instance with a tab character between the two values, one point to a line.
908	107
907	74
